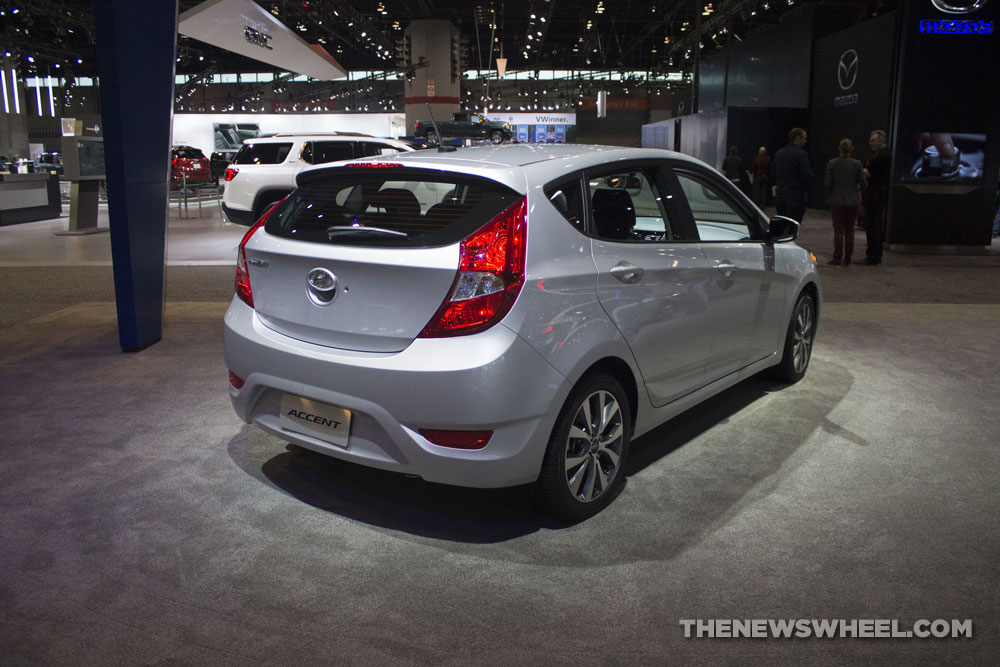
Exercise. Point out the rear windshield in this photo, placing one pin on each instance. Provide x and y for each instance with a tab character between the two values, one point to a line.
188	153
265	153
388	207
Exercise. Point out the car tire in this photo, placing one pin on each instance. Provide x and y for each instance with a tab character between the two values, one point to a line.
433	139
798	341
584	465
496	137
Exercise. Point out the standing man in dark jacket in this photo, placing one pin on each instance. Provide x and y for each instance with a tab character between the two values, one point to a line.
876	196
792	173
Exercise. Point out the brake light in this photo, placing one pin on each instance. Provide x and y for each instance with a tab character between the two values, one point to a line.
490	276
373	165
231	173
242	282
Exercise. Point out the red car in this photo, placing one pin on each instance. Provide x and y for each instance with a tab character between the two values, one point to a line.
189	166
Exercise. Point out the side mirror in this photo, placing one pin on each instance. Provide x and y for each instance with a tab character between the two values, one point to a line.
782	230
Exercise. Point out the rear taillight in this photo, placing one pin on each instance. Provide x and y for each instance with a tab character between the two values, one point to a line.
243	290
490	276
231	173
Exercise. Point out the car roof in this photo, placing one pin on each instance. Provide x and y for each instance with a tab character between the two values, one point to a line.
526	155
302	135
517	165
346	136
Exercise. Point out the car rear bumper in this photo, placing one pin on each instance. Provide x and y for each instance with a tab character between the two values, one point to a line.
237	216
488	381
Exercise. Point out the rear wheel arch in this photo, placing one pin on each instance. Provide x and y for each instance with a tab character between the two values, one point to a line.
621	371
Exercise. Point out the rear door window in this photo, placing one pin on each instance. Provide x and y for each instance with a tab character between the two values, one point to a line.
321	152
388	207
263	153
629	206
374	148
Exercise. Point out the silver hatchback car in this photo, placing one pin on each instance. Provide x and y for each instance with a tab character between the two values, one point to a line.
507	315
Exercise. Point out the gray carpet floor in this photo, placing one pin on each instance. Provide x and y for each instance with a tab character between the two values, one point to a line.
144	524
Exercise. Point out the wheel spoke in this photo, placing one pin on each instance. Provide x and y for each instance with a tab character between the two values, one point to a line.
573	461
608	413
611	454
576	481
608	438
585	408
575	432
601	476
590	479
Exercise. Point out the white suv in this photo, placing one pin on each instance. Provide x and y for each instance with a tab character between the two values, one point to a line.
265	168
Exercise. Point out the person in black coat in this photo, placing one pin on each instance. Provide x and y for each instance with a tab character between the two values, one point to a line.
876	196
793	174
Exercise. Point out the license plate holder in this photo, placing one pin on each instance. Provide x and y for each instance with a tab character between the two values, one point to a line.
316	419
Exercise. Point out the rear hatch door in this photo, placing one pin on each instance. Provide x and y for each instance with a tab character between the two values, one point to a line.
361	258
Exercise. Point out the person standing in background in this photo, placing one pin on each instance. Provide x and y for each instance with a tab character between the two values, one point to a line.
760	170
845	177
793	174
732	166
876	196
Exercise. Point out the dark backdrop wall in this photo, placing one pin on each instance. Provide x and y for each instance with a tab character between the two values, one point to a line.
852	92
769	68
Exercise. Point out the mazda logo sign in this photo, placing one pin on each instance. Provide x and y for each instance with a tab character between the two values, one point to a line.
322	286
958	7
847	69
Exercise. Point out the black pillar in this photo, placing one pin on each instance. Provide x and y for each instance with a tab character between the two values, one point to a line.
136	43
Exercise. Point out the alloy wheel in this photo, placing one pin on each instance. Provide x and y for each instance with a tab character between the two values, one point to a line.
802	336
594	446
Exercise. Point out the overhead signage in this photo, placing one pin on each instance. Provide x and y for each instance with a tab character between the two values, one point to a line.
246	28
956	26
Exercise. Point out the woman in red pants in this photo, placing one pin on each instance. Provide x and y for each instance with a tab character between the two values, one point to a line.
845	177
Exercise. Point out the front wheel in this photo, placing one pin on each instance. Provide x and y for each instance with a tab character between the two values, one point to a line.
584	465
433	139
798	341
496	137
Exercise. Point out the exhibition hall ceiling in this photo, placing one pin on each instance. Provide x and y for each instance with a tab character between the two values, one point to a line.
654	36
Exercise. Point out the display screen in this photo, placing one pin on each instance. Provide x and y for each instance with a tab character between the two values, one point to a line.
90	157
942	157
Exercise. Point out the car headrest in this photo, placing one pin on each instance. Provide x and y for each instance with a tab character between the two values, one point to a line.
399	201
614	214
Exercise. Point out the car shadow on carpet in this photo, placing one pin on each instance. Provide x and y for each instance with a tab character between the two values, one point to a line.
411	505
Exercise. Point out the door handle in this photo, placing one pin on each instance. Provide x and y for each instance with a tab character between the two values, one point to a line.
727	268
627	273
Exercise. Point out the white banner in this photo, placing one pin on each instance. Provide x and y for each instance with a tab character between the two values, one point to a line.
546	118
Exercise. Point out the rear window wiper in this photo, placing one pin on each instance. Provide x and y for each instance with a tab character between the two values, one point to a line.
343	230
